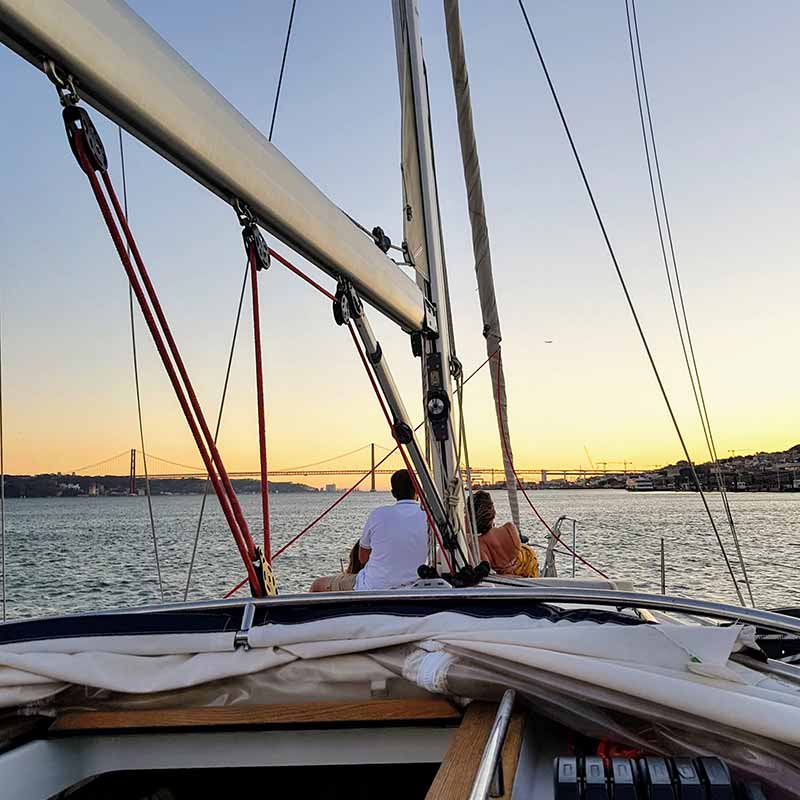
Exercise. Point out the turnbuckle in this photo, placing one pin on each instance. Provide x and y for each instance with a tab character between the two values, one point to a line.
253	239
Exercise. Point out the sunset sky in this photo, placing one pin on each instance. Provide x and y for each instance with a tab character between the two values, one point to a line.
724	90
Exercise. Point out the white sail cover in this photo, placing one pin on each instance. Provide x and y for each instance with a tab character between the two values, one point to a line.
480	243
685	668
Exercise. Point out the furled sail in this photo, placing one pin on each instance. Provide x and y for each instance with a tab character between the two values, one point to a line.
127	71
480	242
423	236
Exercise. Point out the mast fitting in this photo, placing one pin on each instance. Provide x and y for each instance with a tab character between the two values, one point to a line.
79	124
253	239
347	304
64	83
382	241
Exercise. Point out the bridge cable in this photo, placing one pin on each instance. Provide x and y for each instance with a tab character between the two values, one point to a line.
87	467
136	375
629	299
691	366
216	429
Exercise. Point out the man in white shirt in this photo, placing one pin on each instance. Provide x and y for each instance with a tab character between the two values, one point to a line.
392	547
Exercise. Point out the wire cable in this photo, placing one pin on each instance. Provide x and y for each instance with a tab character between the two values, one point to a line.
283	66
216	429
136	376
628	298
691	367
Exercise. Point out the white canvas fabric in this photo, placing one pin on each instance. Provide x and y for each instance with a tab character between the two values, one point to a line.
686	668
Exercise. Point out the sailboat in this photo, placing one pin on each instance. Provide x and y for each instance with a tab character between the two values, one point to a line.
466	684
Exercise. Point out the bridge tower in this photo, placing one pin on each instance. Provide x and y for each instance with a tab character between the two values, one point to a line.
372	453
132	486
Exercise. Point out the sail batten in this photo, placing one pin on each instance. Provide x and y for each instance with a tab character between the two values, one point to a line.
130	74
480	242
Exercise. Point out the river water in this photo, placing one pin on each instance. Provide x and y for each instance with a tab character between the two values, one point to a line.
87	553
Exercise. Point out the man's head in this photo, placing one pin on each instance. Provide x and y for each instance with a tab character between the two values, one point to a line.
403	486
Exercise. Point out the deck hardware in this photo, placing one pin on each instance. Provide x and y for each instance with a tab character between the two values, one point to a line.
64	83
402	432
431	323
487	779
376	355
78	123
382	241
253	238
242	638
346	304
437	403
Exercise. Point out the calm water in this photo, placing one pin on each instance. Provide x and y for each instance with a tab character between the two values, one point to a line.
89	553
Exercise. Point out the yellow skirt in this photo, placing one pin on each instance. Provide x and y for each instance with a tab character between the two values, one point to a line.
526	564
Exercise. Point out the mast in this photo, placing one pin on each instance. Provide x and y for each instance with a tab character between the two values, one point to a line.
424	244
480	242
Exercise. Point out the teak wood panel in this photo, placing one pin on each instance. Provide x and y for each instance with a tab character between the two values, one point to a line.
426	709
460	765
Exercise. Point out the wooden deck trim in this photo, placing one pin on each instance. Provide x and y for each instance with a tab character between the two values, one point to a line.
459	767
419	710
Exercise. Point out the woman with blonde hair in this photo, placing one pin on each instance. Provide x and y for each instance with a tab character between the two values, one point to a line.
502	546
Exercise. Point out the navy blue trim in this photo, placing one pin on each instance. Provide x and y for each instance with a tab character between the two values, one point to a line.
226	619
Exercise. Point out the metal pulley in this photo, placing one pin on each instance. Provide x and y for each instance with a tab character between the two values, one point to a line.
79	124
254	242
437	402
253	239
346	304
382	241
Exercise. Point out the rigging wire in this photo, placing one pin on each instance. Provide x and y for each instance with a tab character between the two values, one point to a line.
136	376
283	66
216	429
629	299
239	309
691	366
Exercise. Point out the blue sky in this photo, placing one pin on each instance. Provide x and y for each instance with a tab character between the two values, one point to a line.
723	85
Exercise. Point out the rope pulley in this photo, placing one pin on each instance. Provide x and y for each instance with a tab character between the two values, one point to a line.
437	403
79	124
347	304
253	238
382	241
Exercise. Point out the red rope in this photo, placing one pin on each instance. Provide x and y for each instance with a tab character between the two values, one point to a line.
496	355
212	448
297	271
262	424
113	230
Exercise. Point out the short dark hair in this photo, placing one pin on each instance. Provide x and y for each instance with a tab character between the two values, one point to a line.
403	486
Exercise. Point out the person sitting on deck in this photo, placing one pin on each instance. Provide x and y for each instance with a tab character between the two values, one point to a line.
502	546
392	547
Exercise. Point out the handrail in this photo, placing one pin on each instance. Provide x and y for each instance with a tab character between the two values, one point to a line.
490	776
516	590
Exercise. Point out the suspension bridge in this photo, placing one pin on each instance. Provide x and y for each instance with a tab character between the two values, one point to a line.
131	464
